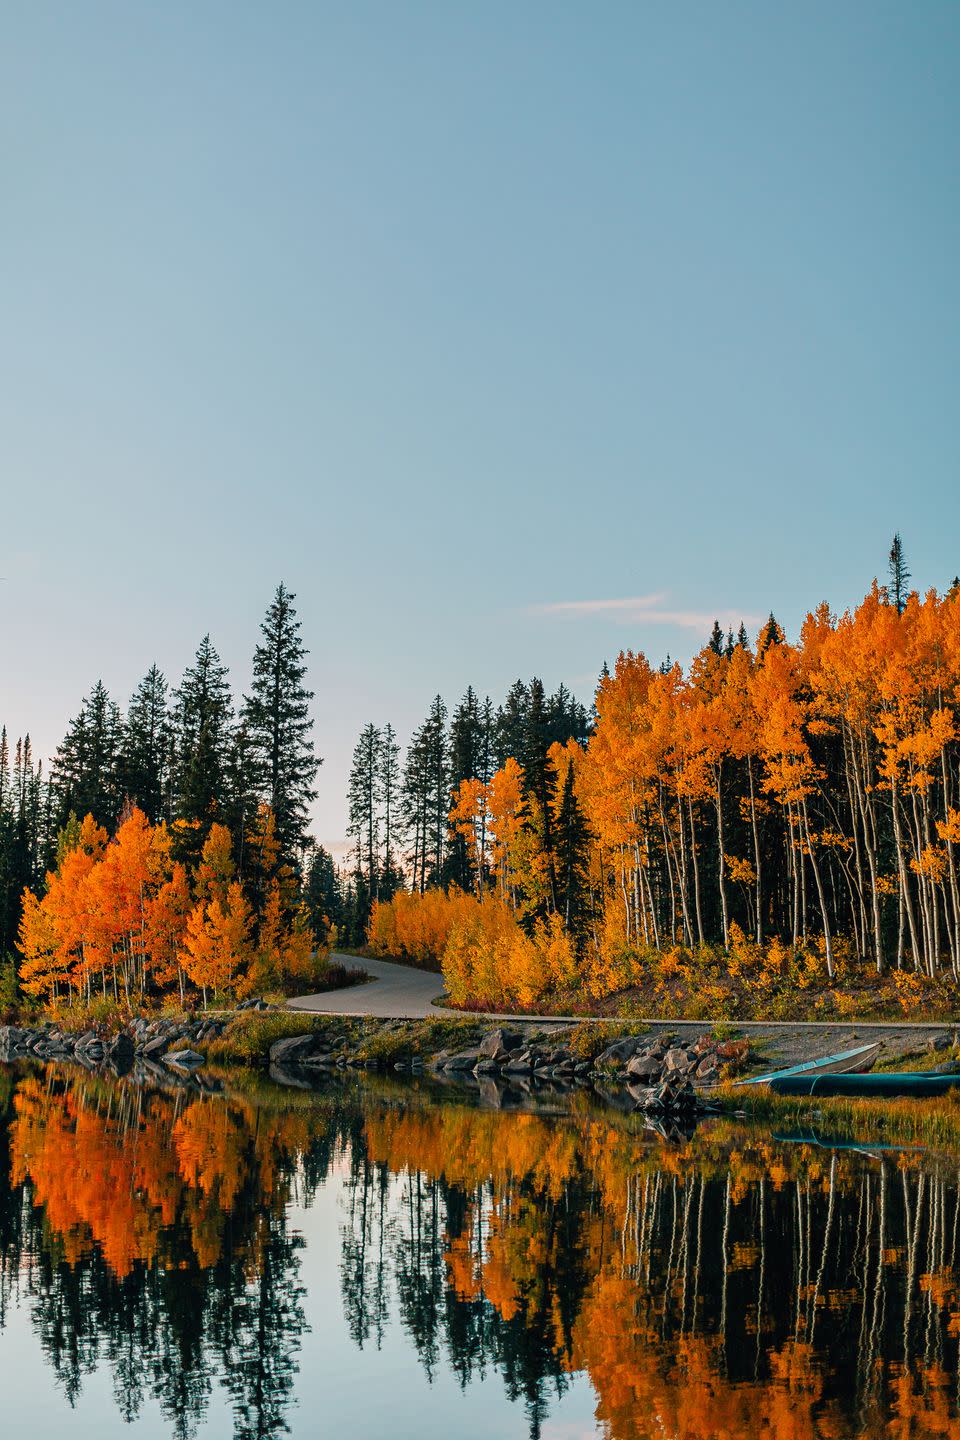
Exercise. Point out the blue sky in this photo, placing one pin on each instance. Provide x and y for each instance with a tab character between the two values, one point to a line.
506	335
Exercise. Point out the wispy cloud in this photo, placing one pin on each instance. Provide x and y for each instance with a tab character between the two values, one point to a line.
644	610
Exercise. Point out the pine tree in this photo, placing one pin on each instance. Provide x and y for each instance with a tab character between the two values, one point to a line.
438	787
539	781
466	742
770	634
414	796
716	639
388	801
145	748
204	724
277	715
511	723
323	893
572	845
86	765
364	819
899	575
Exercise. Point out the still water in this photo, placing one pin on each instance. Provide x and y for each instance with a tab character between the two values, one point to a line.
382	1259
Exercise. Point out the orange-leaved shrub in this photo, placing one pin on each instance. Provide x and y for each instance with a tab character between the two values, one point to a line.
488	959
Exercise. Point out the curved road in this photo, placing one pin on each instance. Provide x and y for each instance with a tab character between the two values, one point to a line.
401	992
396	992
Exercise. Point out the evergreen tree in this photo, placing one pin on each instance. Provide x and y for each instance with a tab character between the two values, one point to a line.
323	893
572	844
145	748
899	575
204	726
466	745
364	820
511	723
388	801
539	782
438	787
86	765
716	639
414	800
277	715
770	634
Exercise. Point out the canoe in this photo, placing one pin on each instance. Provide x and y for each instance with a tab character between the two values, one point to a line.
920	1084
847	1062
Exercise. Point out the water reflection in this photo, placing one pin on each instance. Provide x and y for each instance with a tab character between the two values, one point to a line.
727	1283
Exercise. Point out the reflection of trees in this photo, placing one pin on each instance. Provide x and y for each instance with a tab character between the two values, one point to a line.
728	1285
725	1284
149	1233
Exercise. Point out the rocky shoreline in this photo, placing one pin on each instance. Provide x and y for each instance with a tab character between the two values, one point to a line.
169	1042
659	1074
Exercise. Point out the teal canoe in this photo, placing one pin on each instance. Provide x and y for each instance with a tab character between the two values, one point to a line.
847	1062
920	1085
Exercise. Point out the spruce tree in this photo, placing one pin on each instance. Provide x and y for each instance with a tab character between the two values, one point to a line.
277	715
364	820
899	575
323	893
145	748
572	845
511	723
466	744
540	780
204	724
87	762
388	800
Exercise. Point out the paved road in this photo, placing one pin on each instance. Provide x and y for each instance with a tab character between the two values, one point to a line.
400	992
397	992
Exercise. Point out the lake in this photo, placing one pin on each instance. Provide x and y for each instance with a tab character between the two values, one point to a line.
380	1258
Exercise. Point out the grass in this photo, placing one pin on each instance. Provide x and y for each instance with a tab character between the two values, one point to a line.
932	1122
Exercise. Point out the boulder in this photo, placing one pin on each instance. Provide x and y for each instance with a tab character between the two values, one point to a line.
292	1049
120	1052
616	1055
156	1047
186	1059
644	1067
463	1060
679	1061
708	1071
498	1043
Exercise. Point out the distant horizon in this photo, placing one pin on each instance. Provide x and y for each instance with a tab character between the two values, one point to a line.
338	846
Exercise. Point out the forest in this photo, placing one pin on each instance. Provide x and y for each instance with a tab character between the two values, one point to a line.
772	829
776	824
166	852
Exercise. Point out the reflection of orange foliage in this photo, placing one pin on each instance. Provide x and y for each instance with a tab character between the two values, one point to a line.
117	1172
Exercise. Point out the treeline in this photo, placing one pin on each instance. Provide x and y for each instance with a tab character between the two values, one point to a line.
124	920
182	764
797	798
400	812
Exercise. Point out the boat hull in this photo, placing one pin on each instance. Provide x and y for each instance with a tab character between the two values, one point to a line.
920	1085
847	1062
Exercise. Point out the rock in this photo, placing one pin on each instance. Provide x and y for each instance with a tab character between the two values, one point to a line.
498	1043
463	1060
156	1047
644	1067
120	1052
186	1059
616	1055
292	1049
519	1063
679	1061
708	1071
